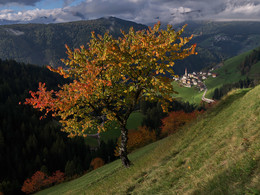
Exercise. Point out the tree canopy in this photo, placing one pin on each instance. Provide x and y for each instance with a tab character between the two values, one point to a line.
110	76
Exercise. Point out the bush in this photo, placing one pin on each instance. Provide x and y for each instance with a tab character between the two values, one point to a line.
41	180
97	162
175	120
137	139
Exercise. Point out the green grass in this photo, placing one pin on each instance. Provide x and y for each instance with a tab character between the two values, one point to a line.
191	95
228	73
254	72
219	153
135	120
113	132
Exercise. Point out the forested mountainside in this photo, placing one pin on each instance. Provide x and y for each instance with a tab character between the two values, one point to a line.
218	41
28	144
44	44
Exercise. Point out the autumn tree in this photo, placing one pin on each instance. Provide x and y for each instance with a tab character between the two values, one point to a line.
110	76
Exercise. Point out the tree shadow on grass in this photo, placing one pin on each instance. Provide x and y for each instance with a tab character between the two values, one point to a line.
233	180
224	104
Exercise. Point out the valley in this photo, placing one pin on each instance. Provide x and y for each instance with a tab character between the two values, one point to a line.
44	44
227	72
219	152
212	149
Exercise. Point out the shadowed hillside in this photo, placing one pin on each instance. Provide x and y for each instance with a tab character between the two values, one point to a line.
217	154
44	44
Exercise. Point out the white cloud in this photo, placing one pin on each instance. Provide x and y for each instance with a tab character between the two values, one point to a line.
145	11
248	11
6	11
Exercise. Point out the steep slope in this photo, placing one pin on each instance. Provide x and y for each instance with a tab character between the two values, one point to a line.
228	72
217	154
44	44
218	41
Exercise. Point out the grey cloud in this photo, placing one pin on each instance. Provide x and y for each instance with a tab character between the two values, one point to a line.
150	11
22	2
171	11
80	15
112	7
67	2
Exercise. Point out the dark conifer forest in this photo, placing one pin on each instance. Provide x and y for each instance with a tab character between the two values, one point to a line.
28	144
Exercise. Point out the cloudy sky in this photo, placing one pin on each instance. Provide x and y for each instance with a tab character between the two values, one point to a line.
142	11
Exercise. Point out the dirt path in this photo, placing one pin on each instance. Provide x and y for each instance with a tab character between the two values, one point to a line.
206	99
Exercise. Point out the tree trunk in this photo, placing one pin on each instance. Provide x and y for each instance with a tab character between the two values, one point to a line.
123	148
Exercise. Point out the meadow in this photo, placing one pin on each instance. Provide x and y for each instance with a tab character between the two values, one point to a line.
216	154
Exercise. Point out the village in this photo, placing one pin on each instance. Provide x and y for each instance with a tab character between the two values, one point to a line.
195	79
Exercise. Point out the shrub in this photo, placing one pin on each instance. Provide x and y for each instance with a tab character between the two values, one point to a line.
175	120
137	139
41	180
97	162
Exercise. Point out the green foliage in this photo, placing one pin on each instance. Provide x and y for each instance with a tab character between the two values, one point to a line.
249	61
220	92
135	120
70	168
153	113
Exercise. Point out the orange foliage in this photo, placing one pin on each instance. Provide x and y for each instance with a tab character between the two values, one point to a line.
41	180
110	76
57	177
175	120
137	139
97	162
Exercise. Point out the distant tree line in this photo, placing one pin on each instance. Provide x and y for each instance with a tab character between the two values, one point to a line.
249	61
220	92
27	144
153	113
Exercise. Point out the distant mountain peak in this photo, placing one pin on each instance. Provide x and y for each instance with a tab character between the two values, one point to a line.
39	20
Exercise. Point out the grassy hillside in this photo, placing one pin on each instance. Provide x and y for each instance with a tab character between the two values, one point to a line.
220	40
228	73
217	154
113	133
191	95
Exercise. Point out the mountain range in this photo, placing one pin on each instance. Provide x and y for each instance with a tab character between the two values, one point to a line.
39	20
43	44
